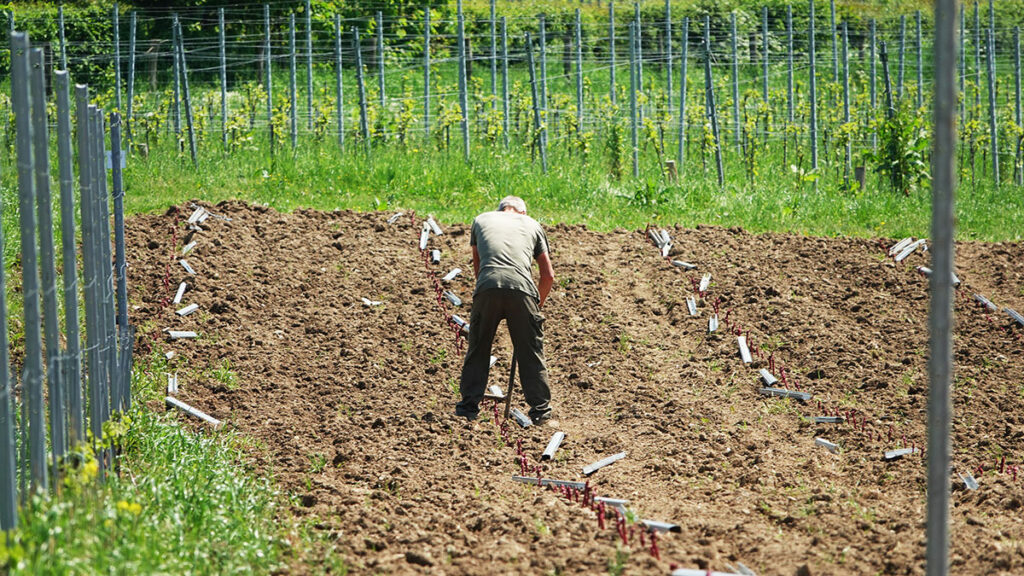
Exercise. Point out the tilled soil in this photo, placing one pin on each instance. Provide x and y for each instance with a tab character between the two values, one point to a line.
353	405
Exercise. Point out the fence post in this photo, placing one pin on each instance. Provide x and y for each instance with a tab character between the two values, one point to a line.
32	380
73	363
873	80
110	386
940	363
977	57
764	55
833	32
536	102
669	88
292	81
83	127
188	98
63	41
962	62
543	87
176	113
337	80
920	62
116	17
426	73
814	90
994	135
129	119
463	89
309	66
634	140
890	108
123	402
789	62
579	74
685	41
47	266
90	263
364	123
223	78
709	91
8	459
846	106
639	60
735	77
902	55
494	58
380	62
504	79
611	47
269	77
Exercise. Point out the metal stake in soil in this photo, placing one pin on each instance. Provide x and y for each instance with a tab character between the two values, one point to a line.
426	73
682	95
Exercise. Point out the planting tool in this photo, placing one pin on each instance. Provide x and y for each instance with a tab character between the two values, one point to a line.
522	419
435	256
684	265
900	453
455	300
187	310
549	482
769	379
713	323
553	444
829	419
705	282
928	272
394	218
591	468
1015	315
433	226
188	247
691	305
188	268
194	412
969	482
181	334
744	350
451	275
899	246
910	250
986	303
781	393
832	447
463	325
655	526
181	292
424	236
511	384
370	303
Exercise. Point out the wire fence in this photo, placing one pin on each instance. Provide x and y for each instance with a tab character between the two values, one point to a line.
458	81
54	418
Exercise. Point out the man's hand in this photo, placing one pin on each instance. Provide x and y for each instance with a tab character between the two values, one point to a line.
547	277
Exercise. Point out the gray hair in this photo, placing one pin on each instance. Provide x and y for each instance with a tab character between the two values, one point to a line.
514	202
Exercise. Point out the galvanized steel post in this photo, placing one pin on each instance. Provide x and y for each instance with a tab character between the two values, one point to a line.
579	74
223	78
463	89
735	76
32	379
73	362
116	24
993	133
309	66
940	362
764	54
902	56
132	28
633	81
611	48
292	89
426	72
339	88
684	43
268	77
63	41
872	81
536	102
123	401
709	88
789	62
188	98
504	80
920	61
494	58
364	125
380	62
669	88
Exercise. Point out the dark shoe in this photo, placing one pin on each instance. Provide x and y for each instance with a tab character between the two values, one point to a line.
543	418
469	416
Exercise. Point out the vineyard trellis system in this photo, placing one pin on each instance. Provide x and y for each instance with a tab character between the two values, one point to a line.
778	108
47	425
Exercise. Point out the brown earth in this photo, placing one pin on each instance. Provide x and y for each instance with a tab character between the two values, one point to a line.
353	405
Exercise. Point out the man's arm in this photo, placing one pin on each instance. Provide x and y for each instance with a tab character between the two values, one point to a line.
476	262
547	276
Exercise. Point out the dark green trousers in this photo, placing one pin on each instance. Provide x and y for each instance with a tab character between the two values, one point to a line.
521	313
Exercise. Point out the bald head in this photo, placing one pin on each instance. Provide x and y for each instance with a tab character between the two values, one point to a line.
512	203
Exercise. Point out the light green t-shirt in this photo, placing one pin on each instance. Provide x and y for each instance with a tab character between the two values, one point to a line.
507	242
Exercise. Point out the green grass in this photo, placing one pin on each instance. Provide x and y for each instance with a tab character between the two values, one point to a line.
574	191
184	501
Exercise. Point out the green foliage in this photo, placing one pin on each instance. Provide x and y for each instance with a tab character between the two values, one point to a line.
903	145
